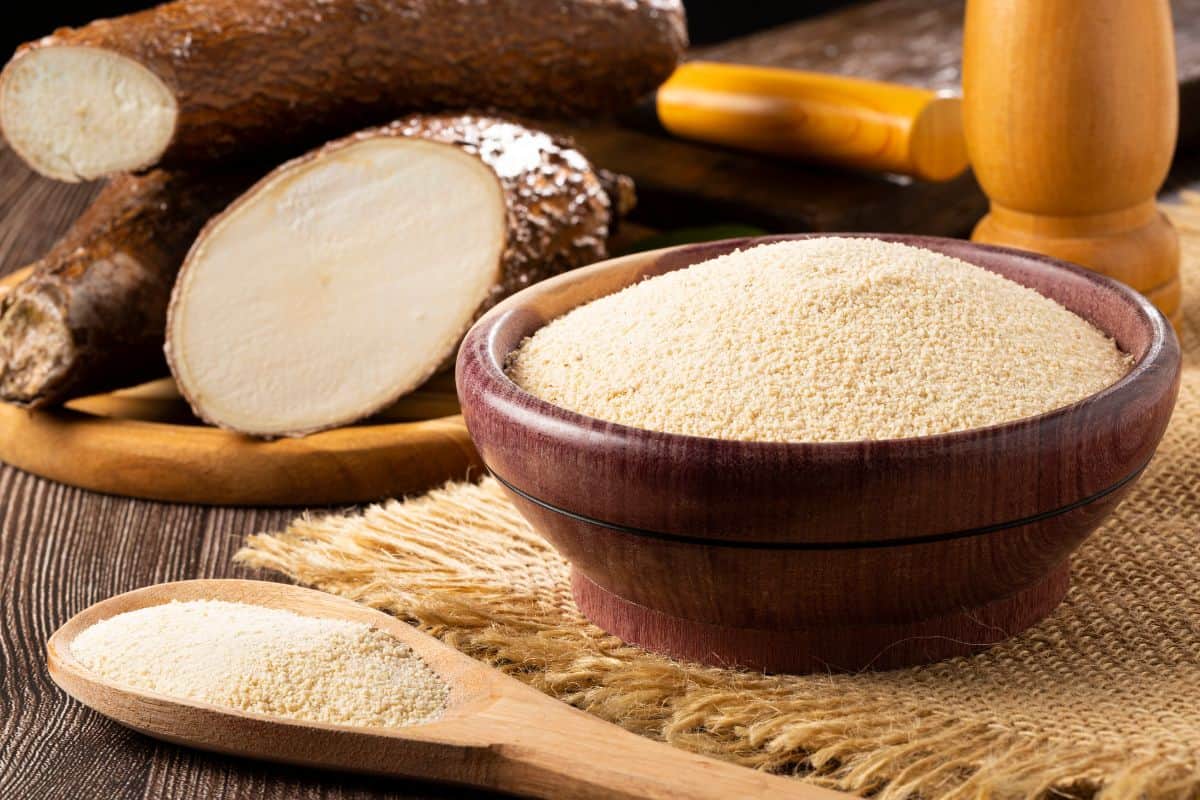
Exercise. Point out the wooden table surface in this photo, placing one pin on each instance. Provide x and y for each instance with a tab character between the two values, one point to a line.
62	549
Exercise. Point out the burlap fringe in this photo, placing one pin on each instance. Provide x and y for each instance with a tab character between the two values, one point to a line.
500	595
411	560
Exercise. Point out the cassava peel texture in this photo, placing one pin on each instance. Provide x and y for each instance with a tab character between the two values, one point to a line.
91	314
196	81
346	278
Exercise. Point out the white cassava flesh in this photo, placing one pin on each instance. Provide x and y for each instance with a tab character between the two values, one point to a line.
336	285
77	113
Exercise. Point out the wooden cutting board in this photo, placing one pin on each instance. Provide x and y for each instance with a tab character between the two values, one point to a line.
144	442
120	444
916	42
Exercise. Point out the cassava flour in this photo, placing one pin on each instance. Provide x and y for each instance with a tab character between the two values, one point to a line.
267	661
826	339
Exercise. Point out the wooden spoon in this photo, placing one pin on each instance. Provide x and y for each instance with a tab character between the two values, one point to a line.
496	733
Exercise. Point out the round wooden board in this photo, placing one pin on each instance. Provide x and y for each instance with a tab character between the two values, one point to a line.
144	442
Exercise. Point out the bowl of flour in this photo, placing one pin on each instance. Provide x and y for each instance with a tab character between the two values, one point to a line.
819	452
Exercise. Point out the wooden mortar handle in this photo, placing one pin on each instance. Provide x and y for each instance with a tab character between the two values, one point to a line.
572	754
868	125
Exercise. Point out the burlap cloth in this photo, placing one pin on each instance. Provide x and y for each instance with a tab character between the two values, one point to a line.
1103	698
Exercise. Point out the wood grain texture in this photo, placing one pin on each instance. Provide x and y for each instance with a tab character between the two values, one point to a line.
1070	113
484	737
917	42
855	646
681	183
197	464
62	549
845	550
687	183
144	442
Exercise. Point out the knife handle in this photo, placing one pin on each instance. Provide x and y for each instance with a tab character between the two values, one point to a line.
866	125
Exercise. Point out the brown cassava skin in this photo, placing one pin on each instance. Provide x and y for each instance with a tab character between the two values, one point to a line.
560	210
90	316
250	74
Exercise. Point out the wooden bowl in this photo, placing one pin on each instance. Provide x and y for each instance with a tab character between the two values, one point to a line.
818	556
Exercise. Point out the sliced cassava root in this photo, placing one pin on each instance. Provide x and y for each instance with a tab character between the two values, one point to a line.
83	112
204	79
347	277
90	317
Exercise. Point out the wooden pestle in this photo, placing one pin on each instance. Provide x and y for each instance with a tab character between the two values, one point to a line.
1070	111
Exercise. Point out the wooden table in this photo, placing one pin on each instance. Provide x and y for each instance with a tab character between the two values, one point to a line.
62	549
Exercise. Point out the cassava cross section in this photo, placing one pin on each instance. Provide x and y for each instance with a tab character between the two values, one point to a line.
91	314
347	277
198	80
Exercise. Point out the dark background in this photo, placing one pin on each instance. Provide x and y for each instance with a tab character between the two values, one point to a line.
708	20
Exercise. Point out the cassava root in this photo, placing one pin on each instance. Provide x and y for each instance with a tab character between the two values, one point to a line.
345	278
202	80
91	314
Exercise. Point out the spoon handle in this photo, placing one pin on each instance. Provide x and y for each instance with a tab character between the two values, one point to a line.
563	752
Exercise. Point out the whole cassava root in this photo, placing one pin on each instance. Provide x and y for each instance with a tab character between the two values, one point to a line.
198	80
345	278
91	314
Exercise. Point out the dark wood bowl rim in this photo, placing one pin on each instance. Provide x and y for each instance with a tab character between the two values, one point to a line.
1161	352
1162	342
